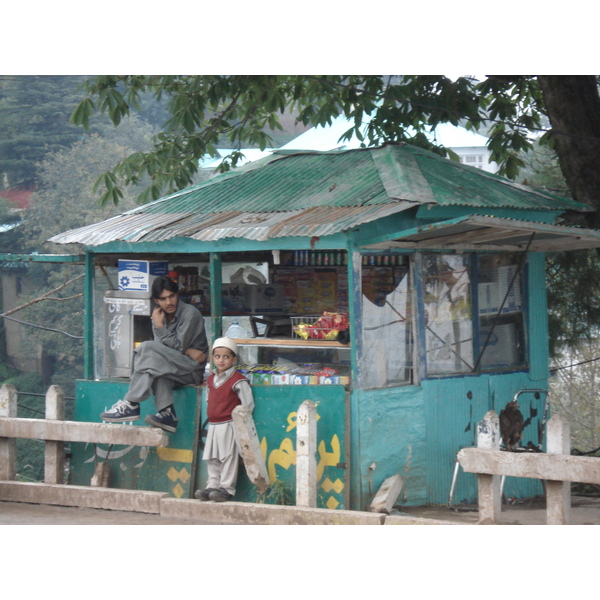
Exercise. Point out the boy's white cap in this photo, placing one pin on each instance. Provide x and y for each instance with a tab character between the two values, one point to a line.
225	342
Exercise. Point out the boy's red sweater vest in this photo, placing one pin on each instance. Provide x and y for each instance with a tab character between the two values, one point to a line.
222	400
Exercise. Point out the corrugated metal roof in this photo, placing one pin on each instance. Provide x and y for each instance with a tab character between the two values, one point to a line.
314	193
476	232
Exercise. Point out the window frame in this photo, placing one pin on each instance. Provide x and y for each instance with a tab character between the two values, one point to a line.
420	369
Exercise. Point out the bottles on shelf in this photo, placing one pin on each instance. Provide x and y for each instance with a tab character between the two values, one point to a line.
320	258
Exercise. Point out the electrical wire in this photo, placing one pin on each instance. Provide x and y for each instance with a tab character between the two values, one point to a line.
583	362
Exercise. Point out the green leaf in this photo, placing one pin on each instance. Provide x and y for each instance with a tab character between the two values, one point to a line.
81	115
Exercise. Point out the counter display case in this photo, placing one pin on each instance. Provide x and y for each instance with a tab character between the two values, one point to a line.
294	362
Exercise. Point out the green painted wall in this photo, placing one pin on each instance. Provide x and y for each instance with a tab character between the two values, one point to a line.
388	438
179	470
416	431
275	420
131	467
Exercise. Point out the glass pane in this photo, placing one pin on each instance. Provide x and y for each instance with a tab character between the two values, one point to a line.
448	314
500	299
387	341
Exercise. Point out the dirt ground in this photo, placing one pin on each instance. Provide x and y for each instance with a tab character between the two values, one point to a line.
585	510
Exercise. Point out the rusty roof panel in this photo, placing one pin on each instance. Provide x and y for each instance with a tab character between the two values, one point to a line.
318	221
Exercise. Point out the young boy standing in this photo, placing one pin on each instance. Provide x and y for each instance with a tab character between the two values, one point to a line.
226	389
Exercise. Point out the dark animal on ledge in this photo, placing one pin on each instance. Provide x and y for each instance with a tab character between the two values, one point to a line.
511	425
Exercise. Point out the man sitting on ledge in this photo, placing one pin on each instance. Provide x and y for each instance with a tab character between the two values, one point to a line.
176	356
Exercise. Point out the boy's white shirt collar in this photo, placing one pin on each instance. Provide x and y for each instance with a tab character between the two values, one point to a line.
225	374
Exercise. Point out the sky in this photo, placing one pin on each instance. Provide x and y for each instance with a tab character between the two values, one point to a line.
295	38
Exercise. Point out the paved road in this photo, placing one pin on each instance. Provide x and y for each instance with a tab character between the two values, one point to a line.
20	513
585	511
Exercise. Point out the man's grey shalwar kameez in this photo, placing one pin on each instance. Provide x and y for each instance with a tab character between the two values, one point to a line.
160	365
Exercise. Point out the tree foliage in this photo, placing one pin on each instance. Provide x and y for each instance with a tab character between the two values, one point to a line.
64	200
245	110
574	392
34	120
544	128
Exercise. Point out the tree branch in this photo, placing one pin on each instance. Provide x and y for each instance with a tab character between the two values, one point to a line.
44	297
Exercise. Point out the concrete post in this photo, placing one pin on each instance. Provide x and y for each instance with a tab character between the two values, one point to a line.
54	467
488	437
8	447
306	455
558	493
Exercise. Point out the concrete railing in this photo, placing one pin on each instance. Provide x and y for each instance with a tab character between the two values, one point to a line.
556	467
55	431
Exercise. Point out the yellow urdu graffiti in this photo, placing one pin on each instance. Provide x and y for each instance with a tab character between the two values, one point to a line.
285	456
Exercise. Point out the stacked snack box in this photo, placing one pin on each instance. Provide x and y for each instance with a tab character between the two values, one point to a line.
301	375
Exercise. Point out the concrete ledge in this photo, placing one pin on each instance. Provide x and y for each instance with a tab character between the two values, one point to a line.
264	514
409	520
231	513
82	496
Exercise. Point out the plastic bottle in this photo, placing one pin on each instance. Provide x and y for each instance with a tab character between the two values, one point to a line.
236	331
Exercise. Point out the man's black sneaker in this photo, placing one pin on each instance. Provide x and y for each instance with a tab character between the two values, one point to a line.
204	494
220	495
122	412
165	419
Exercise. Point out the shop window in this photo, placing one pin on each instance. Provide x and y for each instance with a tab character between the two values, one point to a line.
387	333
448	314
289	317
473	311
501	335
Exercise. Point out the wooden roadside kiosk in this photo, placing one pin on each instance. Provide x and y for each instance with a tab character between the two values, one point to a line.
434	271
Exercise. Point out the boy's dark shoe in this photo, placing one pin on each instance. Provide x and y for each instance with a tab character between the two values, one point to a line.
165	419
122	412
220	495
204	494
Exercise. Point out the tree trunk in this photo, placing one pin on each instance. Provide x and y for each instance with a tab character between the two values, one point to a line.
573	106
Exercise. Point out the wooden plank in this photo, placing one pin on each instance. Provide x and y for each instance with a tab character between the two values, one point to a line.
75	431
581	469
163	469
